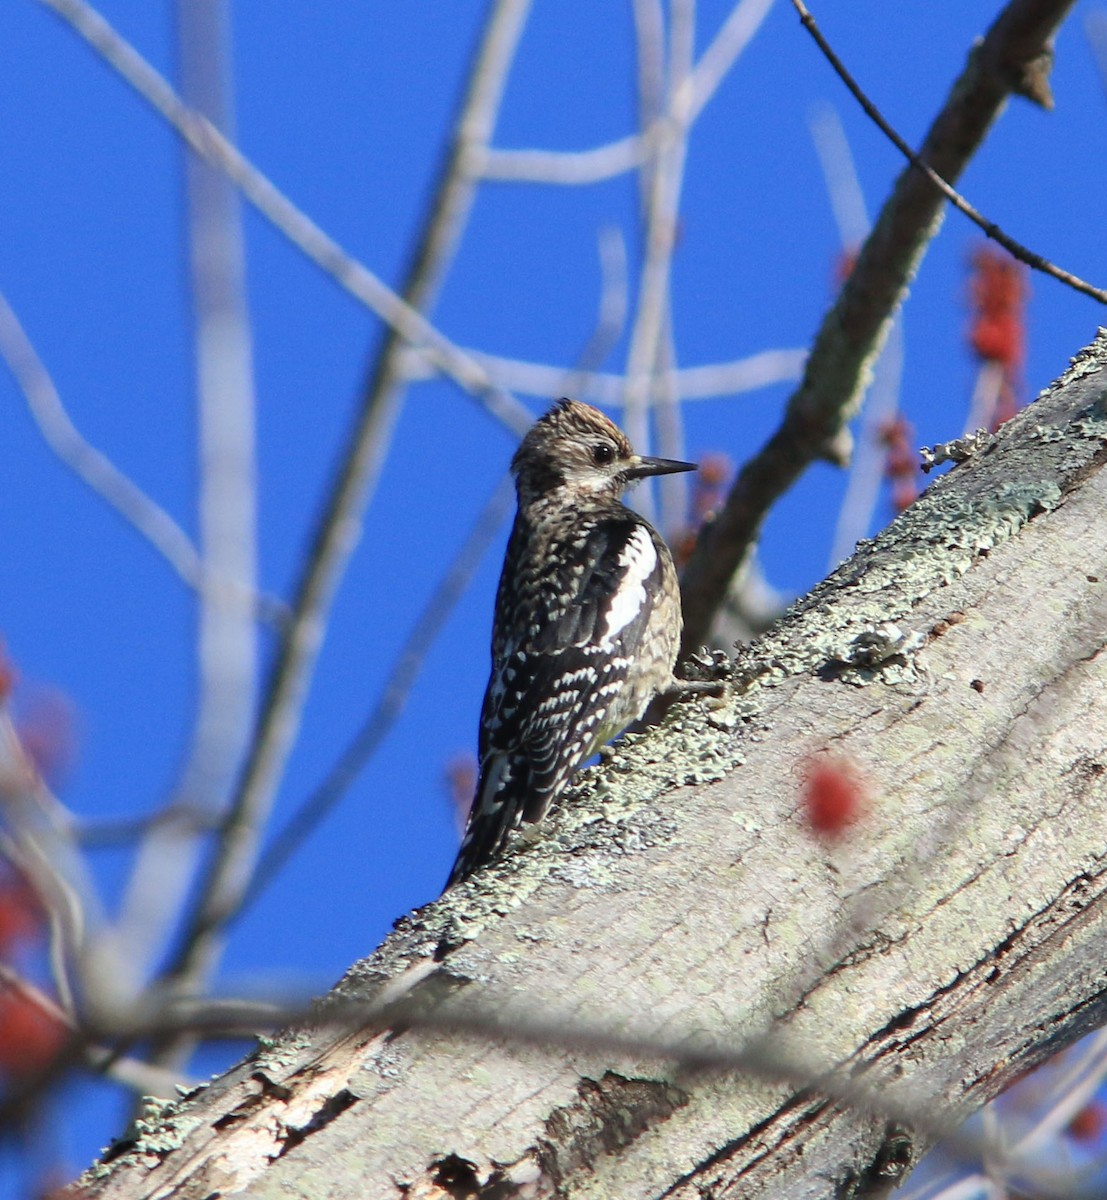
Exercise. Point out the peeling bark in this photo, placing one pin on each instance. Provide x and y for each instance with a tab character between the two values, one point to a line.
955	939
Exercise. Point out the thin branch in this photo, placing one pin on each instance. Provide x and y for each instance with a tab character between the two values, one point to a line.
763	369
716	61
866	470
102	832
1095	30
853	332
661	183
708	382
649	40
565	167
668	410
350	274
971	1187
392	699
989	227
230	872
227	650
672	491
89	969
86	462
770	1058
226	404
611	315
843	187
571	167
690	87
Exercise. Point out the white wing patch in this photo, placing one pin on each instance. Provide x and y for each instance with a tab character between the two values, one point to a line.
638	560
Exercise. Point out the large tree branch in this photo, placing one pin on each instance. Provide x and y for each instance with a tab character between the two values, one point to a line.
1013	57
956	939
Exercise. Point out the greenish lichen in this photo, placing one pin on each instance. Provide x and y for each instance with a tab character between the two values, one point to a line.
1086	362
159	1129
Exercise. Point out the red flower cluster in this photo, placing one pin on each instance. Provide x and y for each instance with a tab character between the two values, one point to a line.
997	327
897	436
31	1036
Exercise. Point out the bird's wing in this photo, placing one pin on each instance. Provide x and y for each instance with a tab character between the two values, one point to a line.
553	698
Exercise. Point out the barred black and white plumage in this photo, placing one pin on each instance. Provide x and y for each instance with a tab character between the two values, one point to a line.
587	622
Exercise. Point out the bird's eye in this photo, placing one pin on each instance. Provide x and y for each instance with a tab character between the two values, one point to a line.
602	453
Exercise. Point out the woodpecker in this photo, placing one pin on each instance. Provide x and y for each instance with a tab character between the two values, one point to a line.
587	622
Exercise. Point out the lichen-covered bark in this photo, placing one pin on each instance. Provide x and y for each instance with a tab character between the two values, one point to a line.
953	940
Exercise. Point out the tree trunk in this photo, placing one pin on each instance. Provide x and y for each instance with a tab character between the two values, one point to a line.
875	988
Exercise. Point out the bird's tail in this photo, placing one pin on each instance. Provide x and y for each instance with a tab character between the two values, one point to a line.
497	810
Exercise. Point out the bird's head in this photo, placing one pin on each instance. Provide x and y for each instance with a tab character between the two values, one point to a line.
576	446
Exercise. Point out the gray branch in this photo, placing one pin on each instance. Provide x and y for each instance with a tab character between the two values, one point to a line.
1016	50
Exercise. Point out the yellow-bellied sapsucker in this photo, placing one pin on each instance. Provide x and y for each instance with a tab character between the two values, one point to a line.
587	623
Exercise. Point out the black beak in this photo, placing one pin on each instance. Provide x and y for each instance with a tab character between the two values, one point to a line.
641	467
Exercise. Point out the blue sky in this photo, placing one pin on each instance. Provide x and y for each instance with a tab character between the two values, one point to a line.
345	107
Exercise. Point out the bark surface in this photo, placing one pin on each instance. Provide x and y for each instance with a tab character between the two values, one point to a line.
955	938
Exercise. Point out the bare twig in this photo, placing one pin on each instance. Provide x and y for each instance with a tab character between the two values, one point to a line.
611	315
866	469
866	472
649	38
843	187
973	1186
567	167
90	465
225	391
714	64
227	639
763	369
662	396
853	332
572	167
230	872
661	185
989	227
708	382
392	699
1095	30
668	414
668	107
350	274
